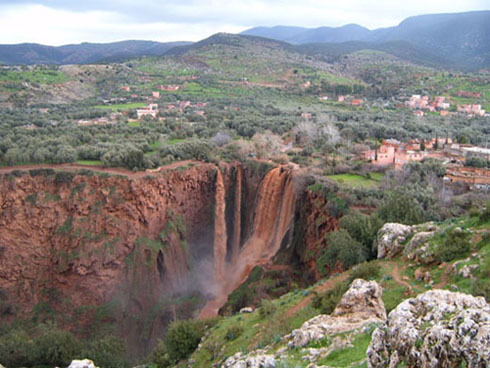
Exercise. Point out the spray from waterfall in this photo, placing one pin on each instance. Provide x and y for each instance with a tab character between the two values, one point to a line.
273	217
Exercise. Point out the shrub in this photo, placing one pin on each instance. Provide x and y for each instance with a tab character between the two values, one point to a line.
159	356
107	352
454	246
56	348
366	271
267	308
328	301
16	349
182	338
233	332
341	248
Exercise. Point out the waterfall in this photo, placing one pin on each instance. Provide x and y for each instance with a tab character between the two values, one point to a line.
273	217
219	229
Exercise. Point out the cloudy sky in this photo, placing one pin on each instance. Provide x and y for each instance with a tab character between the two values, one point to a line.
57	22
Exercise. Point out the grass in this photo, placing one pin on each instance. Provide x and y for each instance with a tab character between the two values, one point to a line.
13	79
121	107
348	356
134	124
88	162
358	181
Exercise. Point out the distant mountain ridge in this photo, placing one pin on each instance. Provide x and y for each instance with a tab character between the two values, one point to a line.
84	53
461	40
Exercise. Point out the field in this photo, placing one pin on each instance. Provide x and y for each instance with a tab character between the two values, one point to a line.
121	107
357	181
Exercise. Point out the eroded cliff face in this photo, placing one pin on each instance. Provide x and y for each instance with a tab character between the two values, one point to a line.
111	248
97	250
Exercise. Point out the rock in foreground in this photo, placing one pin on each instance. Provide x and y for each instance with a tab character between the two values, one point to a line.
361	305
436	329
86	363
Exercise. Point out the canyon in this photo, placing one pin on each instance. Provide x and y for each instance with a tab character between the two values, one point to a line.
132	253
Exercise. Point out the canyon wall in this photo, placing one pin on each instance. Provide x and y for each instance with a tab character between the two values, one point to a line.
136	252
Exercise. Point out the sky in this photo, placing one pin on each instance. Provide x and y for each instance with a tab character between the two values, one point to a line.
59	22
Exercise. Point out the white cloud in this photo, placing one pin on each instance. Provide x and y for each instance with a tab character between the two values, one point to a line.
60	22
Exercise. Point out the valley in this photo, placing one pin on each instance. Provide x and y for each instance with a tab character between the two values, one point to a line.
243	201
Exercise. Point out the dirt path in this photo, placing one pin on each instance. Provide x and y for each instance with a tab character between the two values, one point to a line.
108	170
444	277
397	276
327	285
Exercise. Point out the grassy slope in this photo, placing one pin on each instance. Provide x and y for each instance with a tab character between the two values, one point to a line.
398	282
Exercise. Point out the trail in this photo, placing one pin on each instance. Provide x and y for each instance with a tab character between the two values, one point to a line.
96	168
324	287
397	277
444	277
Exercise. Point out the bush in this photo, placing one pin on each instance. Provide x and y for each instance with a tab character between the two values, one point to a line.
267	308
16	349
182	338
454	246
234	332
328	301
56	347
159	356
365	271
107	352
341	248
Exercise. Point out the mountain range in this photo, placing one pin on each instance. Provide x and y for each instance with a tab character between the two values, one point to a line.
457	40
84	53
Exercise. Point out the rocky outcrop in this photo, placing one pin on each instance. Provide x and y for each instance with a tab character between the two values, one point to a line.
361	305
390	239
240	360
86	363
436	329
393	238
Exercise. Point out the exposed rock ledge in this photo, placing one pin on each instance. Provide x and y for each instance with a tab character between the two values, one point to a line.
392	238
361	305
436	329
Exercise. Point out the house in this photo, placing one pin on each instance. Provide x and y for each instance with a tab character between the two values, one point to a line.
150	110
476	178
357	102
418	113
469	94
341	98
169	87
444	113
471	109
306	115
156	94
323	98
126	88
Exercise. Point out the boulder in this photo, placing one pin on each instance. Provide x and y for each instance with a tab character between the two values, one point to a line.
246	310
361	305
86	363
240	360
437	329
390	239
417	241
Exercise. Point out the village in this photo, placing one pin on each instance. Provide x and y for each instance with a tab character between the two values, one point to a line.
456	158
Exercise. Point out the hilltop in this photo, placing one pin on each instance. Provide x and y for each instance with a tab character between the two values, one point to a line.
459	40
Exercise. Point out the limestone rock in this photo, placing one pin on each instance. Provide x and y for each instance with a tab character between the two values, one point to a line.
246	361
246	310
362	299
417	240
436	329
390	239
361	305
86	363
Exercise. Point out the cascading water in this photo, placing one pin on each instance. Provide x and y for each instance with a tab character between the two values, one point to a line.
220	235
273	217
